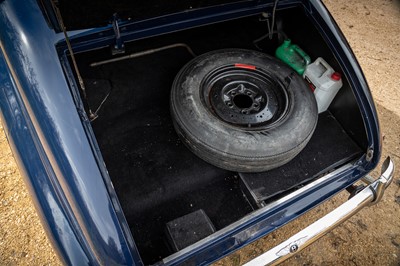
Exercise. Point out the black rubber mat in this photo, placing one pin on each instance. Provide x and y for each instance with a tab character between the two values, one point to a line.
328	148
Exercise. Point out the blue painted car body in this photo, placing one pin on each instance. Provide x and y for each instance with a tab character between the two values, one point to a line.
51	136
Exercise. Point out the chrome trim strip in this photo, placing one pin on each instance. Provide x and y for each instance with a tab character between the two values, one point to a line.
257	213
368	196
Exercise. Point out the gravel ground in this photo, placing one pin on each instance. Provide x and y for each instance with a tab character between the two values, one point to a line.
372	237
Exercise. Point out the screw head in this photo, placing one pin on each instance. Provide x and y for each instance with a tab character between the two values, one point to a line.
293	248
370	155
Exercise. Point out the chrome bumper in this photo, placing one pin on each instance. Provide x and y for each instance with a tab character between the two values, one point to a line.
368	196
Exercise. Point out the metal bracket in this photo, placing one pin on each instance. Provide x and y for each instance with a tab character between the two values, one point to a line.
118	47
370	154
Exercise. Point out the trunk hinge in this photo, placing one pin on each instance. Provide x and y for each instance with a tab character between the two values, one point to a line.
118	47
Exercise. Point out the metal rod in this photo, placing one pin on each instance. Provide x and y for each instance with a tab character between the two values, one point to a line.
92	116
146	52
134	55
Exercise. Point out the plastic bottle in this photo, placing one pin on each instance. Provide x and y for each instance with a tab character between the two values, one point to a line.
293	55
324	81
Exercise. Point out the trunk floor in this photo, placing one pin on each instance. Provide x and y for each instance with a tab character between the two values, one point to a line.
157	179
329	148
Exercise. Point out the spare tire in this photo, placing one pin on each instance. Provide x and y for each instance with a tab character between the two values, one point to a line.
242	110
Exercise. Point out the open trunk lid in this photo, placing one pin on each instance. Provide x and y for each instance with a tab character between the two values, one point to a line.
89	14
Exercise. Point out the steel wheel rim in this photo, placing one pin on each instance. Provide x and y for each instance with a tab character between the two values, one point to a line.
245	96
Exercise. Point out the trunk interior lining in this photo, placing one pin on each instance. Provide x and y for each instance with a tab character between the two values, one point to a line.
156	178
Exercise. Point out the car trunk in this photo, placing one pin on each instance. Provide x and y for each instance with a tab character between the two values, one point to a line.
160	184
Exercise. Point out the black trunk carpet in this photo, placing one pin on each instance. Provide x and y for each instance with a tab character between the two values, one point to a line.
328	148
157	179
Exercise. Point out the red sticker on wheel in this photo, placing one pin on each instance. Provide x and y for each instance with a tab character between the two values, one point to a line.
245	66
